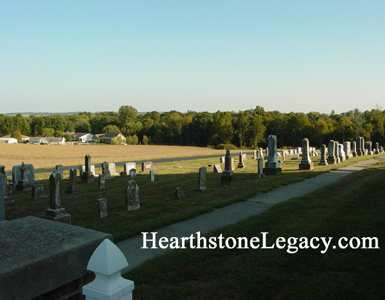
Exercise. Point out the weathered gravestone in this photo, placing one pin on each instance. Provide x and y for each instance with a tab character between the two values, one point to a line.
323	160
241	164
254	154
73	187
222	159
2	201
29	173
59	169
6	188
82	169
106	171
178	193
112	168
354	148
56	212
360	150
272	164
260	167
102	182
126	168
331	153
132	174
132	195
228	178
341	152
147	166
217	168
337	151
37	191
348	153
368	147
202	180
306	163
87	176
152	175
22	184
102	208
377	149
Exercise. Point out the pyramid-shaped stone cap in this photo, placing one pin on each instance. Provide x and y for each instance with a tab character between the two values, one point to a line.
107	259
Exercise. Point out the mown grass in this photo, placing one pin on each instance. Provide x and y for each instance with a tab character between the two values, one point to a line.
351	207
158	207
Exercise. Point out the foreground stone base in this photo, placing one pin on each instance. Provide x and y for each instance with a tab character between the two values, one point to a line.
228	179
51	257
323	163
88	178
133	207
72	189
202	190
342	158
272	171
332	160
306	166
23	185
57	215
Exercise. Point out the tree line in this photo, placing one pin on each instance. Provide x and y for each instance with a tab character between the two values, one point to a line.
243	129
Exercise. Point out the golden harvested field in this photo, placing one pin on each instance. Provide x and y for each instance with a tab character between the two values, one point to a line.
47	156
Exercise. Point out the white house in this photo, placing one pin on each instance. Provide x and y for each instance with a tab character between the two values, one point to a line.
83	137
8	140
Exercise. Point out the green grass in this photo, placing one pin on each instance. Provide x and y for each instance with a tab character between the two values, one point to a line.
158	207
351	207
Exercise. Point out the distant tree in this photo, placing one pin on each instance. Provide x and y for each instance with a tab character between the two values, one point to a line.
16	134
222	128
135	139
48	132
256	130
111	128
145	140
127	114
242	123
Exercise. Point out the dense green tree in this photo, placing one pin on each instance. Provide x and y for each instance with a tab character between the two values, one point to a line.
127	114
111	128
222	129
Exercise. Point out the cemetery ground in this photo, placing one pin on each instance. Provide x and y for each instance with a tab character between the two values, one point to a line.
158	207
351	207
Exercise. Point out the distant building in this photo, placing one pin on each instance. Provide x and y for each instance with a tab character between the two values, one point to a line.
83	137
113	138
8	140
24	138
47	140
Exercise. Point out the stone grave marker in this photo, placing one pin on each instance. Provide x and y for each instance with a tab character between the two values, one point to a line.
22	184
341	152
228	178
87	176
331	153
272	164
241	164
306	163
82	169
56	212
29	171
102	182
37	191
102	208
132	195
132	174
178	193
323	161
2	200
222	159
59	169
202	180
112	168
126	168
73	187
106	171
354	148
254	154
6	188
369	147
152	175
217	168
347	150
260	167
147	166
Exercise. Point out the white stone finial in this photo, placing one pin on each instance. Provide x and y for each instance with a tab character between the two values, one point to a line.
106	262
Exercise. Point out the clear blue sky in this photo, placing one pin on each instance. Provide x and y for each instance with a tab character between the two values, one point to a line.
300	56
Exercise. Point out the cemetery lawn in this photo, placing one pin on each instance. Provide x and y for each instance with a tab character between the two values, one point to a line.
351	207
158	207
